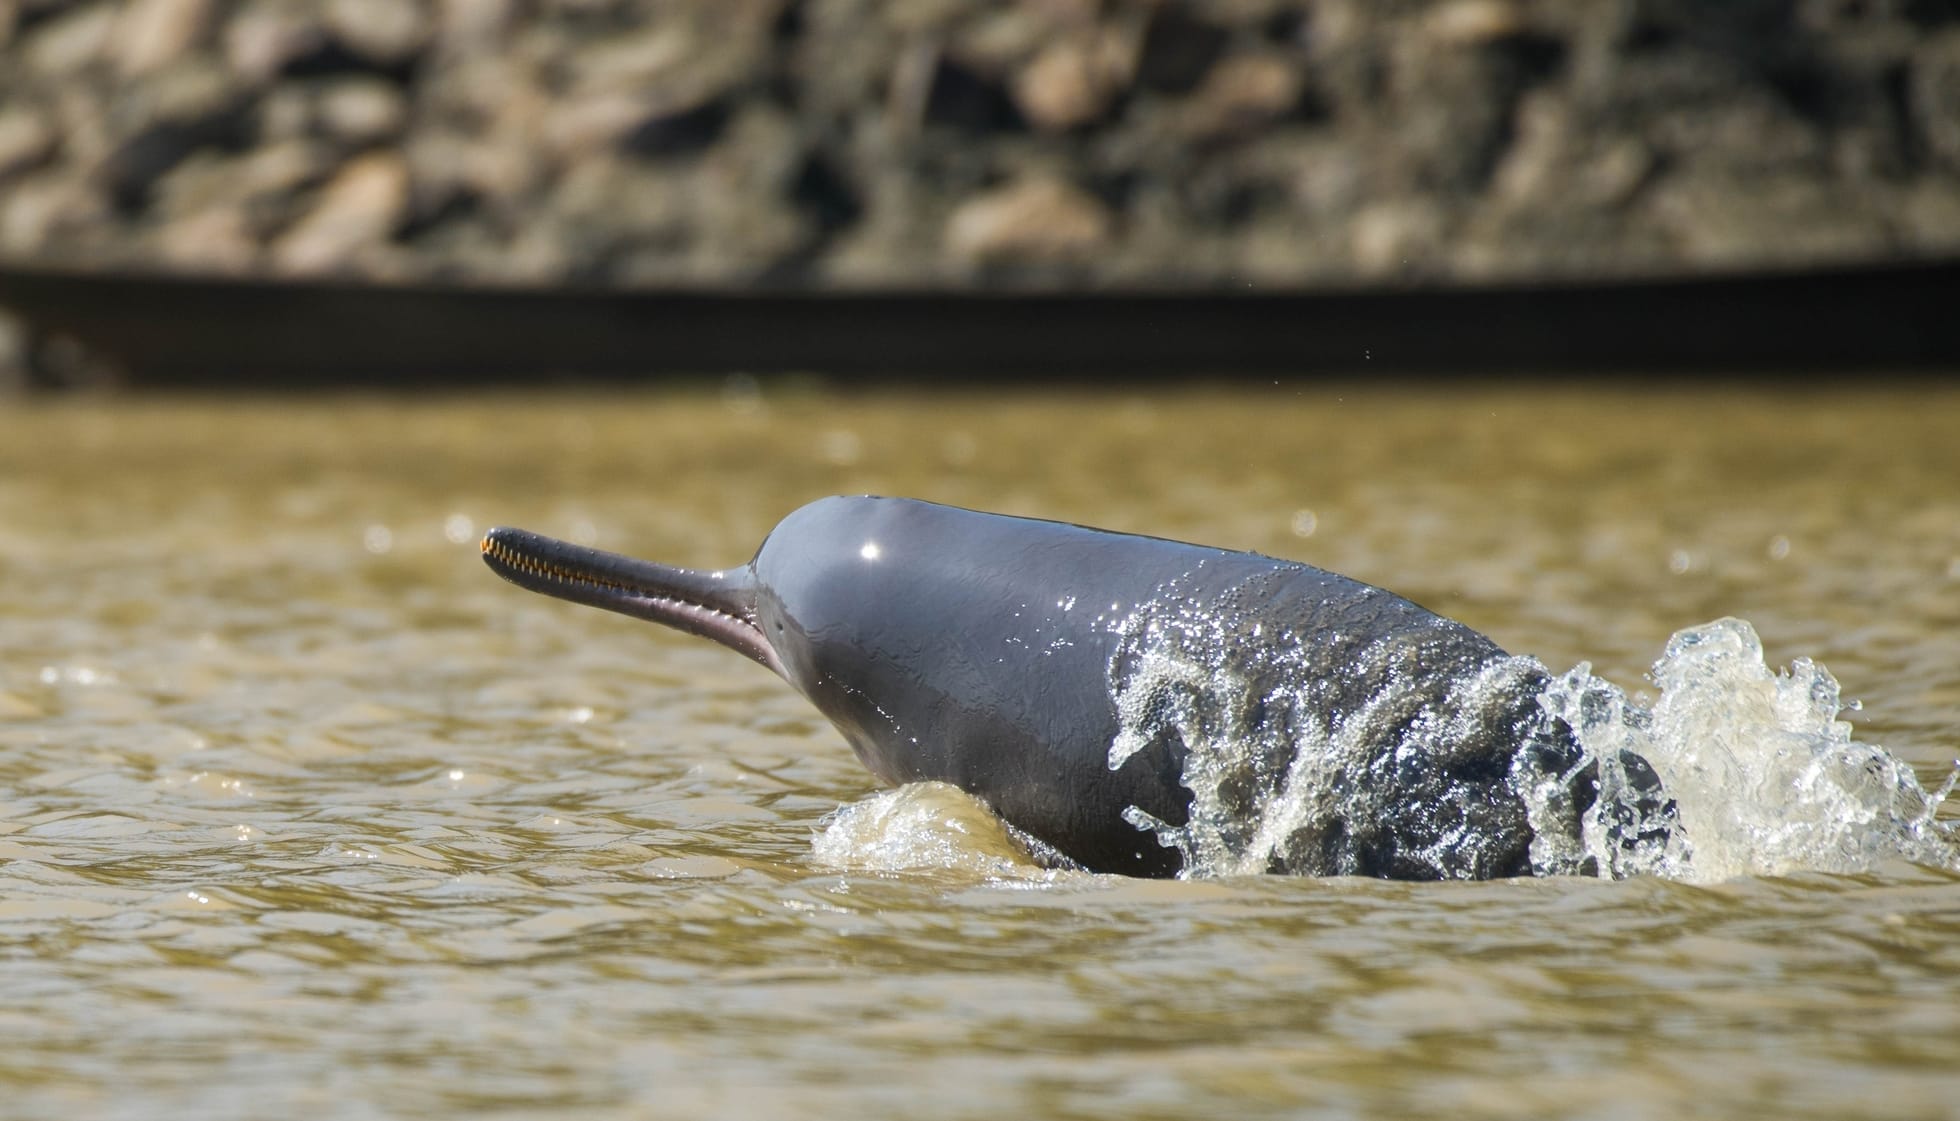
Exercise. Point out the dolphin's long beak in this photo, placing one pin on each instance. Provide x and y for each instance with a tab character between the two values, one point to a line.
716	605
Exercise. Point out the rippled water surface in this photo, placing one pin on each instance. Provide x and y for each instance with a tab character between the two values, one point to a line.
301	809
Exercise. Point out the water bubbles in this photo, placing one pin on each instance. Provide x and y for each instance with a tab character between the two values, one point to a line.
1304	523
1779	547
1680	562
378	539
458	529
583	532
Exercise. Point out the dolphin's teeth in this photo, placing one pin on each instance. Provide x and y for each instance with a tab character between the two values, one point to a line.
544	570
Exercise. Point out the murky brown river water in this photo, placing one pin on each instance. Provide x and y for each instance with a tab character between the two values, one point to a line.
302	812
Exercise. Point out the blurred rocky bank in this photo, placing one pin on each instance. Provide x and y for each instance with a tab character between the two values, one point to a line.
948	143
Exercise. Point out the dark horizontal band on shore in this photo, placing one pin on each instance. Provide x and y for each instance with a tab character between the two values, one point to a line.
178	331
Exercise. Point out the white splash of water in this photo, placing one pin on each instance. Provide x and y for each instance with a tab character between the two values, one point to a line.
1735	770
1764	778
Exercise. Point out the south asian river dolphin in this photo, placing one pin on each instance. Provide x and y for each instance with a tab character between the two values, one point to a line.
1072	678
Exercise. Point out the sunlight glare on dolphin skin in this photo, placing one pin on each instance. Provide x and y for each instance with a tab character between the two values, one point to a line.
870	551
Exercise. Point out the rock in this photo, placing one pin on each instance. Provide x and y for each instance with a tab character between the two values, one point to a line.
1037	220
286	113
360	208
1473	22
211	241
1935	98
134	167
448	166
1000	37
600	205
655	55
261	186
1242	94
47	209
466	28
67	44
1554	163
662	92
957	142
262	40
387	34
26	140
1719	222
589	126
1066	86
152	33
1929	219
360	111
1397	239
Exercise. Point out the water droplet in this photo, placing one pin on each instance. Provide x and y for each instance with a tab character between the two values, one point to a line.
459	529
1680	561
1779	547
1304	523
378	539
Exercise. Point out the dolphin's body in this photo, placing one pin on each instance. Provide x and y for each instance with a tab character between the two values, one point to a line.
1066	675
